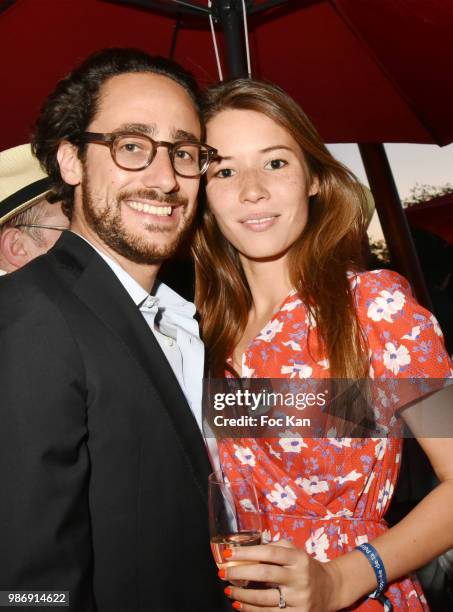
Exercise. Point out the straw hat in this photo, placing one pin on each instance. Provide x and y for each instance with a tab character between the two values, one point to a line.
22	182
369	205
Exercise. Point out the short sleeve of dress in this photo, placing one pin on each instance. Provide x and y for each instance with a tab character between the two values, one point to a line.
405	339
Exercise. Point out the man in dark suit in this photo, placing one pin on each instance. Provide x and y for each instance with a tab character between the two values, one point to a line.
103	469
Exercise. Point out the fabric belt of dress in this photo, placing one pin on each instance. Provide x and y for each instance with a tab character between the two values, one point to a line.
326	519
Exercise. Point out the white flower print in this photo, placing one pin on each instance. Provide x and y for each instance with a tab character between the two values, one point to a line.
385	400
339	442
394	357
247	505
266	537
382	399
414	335
343	512
245	455
376	312
272	452
352	476
297	370
269	332
317	544
354	279
246	371
351	274
282	497
384	495
291	442
368	483
436	325
312	485
310	320
343	538
392	423
294	346
386	305
324	363
380	447
395	301
361	539
291	305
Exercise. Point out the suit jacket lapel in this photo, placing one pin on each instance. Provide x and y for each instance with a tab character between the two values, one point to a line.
99	288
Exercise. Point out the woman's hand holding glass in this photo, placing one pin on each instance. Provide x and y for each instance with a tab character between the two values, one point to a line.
305	585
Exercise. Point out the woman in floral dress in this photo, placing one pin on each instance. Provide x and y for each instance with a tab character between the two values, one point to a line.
282	294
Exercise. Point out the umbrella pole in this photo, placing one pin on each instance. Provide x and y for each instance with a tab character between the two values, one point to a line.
229	14
393	219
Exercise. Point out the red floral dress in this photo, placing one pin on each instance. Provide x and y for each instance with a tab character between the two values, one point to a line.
328	495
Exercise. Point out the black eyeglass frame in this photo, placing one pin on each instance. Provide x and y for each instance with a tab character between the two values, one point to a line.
108	139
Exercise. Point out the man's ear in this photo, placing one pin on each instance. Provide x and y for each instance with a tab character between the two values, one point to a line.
69	162
13	248
314	187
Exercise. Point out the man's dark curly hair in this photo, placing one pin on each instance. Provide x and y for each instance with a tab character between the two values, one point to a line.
71	107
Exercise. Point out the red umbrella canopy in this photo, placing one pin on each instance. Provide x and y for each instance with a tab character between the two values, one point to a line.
363	70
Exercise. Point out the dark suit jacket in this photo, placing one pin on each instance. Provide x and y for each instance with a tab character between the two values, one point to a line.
103	471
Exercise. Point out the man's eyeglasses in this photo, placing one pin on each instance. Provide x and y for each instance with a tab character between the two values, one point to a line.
39	226
132	151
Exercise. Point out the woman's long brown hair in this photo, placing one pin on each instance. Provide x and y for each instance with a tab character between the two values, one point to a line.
329	246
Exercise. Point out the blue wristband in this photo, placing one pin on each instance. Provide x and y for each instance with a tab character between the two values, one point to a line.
377	564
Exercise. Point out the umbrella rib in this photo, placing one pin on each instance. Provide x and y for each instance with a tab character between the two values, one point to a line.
214	42
161	6
6	4
267	5
195	7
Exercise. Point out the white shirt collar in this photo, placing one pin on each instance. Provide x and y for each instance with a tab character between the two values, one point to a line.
167	299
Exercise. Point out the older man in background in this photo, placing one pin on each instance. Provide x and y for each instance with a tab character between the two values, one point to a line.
29	225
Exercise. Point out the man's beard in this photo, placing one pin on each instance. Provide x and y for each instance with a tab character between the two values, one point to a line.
105	220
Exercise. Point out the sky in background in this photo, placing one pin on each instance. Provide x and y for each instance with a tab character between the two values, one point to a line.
410	163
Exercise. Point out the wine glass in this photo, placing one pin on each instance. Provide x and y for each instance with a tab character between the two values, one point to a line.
234	518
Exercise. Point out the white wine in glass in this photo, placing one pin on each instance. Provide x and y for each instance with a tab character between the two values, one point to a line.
234	518
231	540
